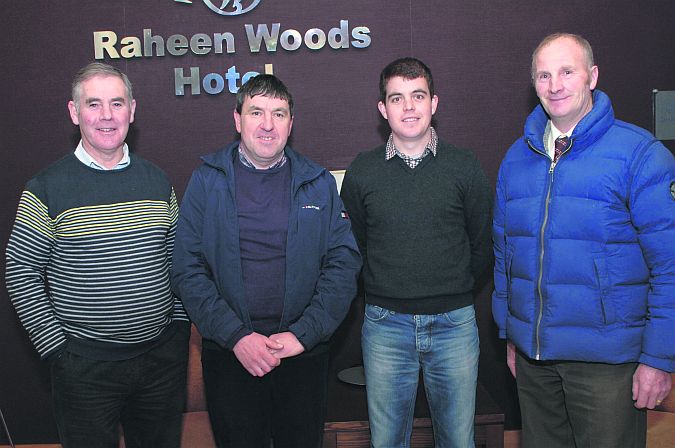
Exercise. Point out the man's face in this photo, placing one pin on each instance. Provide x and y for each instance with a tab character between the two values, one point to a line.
264	124
408	107
564	82
103	114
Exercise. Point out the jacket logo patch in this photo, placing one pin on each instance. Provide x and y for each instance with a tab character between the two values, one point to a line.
672	190
344	215
312	207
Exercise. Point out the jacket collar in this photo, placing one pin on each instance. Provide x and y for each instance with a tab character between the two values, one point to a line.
302	169
591	127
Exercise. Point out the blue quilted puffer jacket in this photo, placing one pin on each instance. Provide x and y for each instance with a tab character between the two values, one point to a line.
585	248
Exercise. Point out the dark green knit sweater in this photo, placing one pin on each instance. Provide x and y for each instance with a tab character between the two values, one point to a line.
424	233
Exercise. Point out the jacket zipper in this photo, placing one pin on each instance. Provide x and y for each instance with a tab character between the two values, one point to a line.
541	243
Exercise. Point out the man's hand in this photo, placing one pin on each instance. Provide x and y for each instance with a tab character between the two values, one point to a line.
291	345
511	357
650	386
255	353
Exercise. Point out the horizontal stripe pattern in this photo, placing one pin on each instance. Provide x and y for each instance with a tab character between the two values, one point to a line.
94	272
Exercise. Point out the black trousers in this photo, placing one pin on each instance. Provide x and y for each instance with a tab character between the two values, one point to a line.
145	394
578	404
287	405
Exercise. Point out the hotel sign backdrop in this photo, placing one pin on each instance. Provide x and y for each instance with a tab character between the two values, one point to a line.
228	7
256	38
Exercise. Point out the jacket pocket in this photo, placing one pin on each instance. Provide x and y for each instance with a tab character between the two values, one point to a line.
603	285
507	272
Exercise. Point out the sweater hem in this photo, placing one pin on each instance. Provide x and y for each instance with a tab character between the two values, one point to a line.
427	305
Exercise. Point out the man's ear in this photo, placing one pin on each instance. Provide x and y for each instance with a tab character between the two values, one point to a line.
593	81
382	109
73	113
237	120
133	110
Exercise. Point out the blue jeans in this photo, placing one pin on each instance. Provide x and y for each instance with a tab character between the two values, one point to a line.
445	347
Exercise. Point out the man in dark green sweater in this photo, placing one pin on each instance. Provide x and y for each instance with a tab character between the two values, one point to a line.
420	210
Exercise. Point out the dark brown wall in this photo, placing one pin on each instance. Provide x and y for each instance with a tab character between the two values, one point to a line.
479	52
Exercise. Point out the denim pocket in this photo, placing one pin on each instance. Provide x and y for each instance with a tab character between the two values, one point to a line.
376	313
460	316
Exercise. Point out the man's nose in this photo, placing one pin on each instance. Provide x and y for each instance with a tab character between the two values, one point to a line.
268	122
106	112
555	84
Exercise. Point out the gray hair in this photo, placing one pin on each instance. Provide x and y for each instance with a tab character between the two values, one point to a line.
583	43
97	69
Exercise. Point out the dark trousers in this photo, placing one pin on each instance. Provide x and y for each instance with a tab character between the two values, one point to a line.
287	405
145	394
578	404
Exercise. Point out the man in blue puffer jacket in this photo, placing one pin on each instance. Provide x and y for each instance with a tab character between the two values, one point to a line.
585	261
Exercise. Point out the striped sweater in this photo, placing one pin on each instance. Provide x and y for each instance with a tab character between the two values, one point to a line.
88	258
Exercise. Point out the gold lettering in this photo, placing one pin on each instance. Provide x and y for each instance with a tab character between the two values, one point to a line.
104	42
131	48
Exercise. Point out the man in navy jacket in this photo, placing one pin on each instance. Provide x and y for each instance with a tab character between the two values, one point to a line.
585	265
266	265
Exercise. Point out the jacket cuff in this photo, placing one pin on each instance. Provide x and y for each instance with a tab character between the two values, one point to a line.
308	339
667	365
236	337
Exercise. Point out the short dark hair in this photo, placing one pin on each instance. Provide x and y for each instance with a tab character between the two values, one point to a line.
407	68
265	85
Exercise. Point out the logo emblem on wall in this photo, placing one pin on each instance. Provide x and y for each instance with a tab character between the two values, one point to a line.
228	7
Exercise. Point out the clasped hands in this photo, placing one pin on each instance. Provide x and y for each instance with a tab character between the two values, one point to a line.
260	354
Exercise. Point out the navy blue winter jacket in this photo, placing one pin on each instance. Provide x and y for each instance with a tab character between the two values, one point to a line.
322	258
585	249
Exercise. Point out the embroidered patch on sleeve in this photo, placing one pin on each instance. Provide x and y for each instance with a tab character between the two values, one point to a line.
344	214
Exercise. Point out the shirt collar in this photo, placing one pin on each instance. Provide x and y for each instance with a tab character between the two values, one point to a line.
247	163
392	151
84	157
551	134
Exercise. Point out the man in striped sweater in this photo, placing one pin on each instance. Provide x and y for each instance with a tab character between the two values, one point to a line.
88	273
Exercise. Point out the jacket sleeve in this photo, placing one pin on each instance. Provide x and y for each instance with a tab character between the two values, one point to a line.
178	308
336	285
28	253
652	208
499	295
477	213
353	201
192	278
